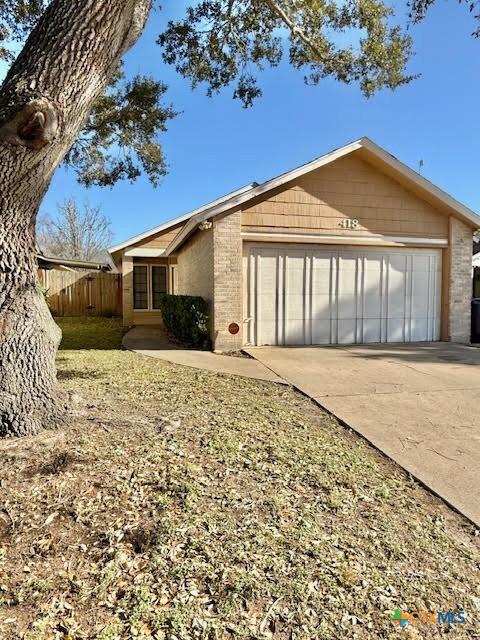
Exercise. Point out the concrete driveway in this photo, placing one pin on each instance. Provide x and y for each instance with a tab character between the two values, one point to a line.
419	404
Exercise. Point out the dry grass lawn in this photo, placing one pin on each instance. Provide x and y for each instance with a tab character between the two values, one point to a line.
182	504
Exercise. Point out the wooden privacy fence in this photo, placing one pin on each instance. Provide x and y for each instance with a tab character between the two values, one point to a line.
82	293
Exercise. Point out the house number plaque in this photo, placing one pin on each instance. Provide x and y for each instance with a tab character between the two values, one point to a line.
349	223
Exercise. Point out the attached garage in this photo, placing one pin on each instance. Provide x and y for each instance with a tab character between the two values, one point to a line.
339	295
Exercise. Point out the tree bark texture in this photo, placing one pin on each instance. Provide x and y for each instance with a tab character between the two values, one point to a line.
44	102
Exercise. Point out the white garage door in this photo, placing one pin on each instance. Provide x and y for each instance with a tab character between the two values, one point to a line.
332	295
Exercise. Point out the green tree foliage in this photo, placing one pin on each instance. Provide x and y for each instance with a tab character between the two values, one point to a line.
224	41
119	140
17	17
219	44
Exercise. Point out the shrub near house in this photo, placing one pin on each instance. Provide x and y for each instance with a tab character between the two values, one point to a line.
186	319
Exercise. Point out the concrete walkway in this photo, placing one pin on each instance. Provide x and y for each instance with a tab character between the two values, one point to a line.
419	404
152	341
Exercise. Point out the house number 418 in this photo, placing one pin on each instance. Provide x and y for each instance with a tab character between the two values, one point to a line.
348	223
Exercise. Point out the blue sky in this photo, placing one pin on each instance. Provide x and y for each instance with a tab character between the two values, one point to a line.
215	145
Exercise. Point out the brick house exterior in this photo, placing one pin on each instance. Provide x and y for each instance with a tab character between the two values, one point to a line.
353	247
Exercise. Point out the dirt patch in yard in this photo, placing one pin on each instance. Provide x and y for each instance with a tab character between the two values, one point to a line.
181	504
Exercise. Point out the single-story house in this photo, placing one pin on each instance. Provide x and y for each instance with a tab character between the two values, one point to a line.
354	247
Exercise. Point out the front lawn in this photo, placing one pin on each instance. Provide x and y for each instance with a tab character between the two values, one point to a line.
90	333
182	504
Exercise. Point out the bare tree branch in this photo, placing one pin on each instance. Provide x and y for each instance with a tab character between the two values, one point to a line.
82	234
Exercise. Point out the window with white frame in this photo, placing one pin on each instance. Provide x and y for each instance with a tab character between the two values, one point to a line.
150	282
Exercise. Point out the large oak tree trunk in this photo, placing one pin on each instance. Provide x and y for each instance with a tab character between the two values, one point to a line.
44	102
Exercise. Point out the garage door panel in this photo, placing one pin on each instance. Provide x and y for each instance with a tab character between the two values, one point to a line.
294	276
269	332
266	299
321	307
419	328
372	330
294	335
346	331
321	331
322	261
395	330
396	262
268	307
372	288
422	263
346	294
396	287
330	295
322	273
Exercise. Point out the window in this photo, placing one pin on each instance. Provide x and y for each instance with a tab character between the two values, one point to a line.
159	285
140	287
149	284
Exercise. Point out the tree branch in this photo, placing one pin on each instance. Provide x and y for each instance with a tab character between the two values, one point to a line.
141	11
295	29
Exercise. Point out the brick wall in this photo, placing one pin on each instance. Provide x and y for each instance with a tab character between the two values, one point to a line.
210	266
195	266
460	281
228	294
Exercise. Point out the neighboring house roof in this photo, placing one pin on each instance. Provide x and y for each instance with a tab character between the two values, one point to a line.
371	151
49	262
180	219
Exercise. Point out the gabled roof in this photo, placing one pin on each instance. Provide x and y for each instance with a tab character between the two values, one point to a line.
370	151
180	219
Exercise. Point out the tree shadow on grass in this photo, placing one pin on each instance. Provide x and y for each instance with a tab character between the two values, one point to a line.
77	374
90	334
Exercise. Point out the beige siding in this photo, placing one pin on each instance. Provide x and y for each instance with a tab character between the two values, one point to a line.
348	188
160	240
